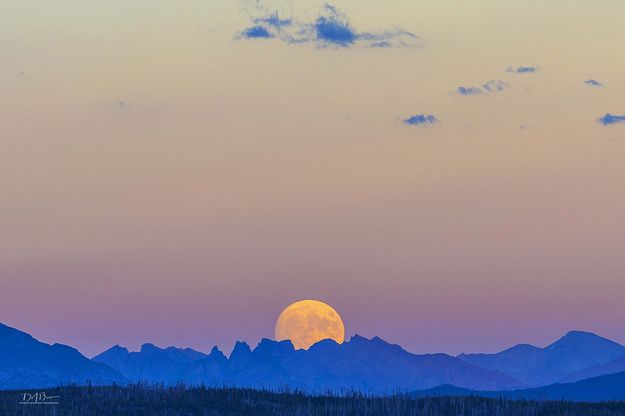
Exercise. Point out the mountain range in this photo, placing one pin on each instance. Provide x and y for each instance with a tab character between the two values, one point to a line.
369	365
372	365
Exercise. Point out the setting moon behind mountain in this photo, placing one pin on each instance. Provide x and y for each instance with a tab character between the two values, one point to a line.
309	321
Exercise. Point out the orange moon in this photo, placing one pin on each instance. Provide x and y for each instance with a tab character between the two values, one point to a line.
307	322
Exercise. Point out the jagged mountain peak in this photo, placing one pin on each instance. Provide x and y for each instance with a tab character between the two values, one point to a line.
268	345
358	338
117	350
240	349
217	353
149	347
121	348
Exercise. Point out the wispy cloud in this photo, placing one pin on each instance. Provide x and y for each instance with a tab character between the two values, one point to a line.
274	20
593	83
420	120
489	87
609	119
330	27
522	69
383	44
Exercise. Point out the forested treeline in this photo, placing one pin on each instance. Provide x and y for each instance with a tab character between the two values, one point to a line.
140	399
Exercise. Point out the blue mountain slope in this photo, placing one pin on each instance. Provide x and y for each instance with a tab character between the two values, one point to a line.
28	363
535	366
597	389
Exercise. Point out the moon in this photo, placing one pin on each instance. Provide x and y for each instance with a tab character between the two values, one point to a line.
307	322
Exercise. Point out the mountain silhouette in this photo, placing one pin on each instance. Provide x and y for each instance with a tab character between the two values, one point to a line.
368	365
26	362
609	387
536	366
373	366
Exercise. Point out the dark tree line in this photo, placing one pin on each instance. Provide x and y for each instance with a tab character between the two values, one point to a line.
158	400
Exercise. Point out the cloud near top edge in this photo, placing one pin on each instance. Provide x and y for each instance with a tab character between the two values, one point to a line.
330	28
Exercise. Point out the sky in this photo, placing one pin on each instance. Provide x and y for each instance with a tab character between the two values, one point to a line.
447	175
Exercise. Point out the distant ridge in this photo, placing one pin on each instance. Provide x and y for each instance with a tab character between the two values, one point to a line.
533	366
597	389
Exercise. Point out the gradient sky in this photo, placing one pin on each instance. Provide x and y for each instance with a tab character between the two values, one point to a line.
164	179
